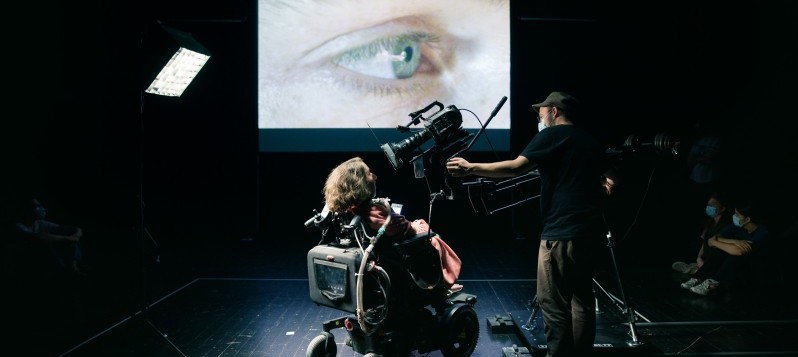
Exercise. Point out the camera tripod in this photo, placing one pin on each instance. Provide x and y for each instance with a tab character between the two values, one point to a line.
622	304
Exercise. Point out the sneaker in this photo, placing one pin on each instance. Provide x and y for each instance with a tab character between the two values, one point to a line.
689	284
706	287
692	268
685	268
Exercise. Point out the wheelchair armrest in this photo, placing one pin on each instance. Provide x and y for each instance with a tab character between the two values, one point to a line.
417	237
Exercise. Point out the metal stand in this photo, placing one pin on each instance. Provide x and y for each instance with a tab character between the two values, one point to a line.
626	309
144	235
144	312
630	313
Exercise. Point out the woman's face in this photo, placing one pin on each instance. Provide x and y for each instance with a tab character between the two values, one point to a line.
715	203
369	63
371	180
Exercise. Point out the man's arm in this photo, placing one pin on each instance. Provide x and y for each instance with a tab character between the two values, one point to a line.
49	237
51	232
459	167
732	246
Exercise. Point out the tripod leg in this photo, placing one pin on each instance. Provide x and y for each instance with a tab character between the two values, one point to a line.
630	312
595	297
530	323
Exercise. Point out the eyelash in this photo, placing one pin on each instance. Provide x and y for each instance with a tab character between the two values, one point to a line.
383	86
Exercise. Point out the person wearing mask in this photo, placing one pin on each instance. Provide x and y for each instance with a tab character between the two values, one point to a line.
718	216
570	161
729	251
59	243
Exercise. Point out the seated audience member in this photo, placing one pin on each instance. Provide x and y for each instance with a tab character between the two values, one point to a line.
58	245
718	217
728	252
351	186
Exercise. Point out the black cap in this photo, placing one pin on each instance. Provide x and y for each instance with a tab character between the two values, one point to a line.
561	100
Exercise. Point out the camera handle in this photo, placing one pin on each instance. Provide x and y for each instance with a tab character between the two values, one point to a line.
415	117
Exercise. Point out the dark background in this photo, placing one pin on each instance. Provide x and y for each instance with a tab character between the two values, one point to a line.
80	135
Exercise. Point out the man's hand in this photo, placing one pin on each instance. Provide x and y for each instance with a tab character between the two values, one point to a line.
607	183
744	246
458	166
740	247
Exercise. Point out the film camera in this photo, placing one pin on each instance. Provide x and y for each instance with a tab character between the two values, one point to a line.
394	288
445	128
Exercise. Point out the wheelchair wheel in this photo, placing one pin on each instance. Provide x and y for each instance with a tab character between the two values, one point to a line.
460	332
322	346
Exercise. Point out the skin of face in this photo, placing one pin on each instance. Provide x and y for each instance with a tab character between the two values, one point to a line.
371	178
328	64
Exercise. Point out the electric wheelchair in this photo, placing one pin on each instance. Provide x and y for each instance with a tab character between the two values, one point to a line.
394	289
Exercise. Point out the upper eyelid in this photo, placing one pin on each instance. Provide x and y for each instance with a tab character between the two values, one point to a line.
394	28
385	42
388	87
436	46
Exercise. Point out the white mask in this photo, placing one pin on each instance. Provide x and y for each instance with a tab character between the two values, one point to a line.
541	126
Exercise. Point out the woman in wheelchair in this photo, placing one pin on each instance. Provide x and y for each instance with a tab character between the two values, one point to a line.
397	276
351	187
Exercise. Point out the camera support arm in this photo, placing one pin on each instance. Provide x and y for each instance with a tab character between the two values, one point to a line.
481	188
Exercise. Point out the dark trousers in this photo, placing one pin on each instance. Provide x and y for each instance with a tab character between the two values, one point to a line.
721	266
565	296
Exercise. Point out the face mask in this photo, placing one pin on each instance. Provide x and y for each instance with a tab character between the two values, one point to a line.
542	126
736	221
711	211
40	212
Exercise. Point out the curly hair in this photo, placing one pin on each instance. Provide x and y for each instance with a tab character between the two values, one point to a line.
347	186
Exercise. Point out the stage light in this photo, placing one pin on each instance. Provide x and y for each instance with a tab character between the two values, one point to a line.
180	70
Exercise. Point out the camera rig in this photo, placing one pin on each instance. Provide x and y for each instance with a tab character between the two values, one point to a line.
444	126
490	196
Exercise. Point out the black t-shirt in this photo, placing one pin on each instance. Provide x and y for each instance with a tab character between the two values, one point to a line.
570	162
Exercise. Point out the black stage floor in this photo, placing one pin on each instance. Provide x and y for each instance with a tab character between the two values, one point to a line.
250	298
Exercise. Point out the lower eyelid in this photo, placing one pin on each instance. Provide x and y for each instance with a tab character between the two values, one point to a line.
433	56
384	88
423	80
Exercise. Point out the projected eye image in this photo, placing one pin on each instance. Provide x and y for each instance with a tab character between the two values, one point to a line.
344	71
